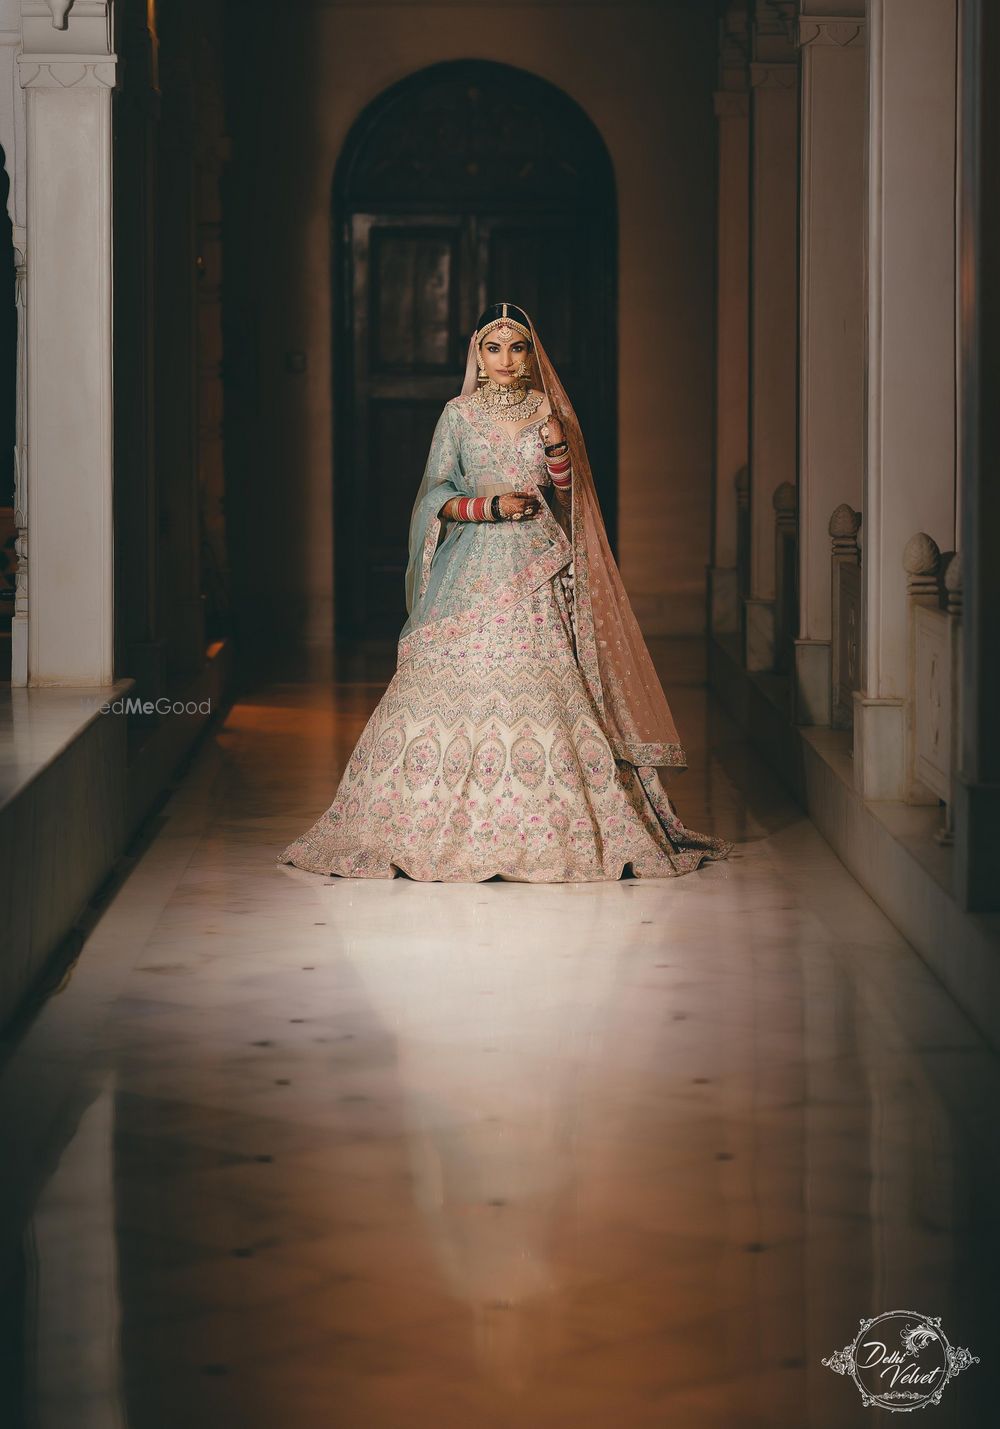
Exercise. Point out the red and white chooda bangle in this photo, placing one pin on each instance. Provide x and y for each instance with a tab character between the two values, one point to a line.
473	508
560	471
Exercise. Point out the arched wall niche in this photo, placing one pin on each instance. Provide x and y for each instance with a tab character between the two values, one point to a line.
468	182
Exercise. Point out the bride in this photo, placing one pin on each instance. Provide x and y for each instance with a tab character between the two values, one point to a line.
522	733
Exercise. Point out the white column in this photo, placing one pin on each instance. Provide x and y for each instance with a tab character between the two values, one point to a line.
831	326
68	71
910	438
732	360
773	332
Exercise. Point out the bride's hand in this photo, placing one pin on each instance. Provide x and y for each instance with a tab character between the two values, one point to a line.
552	431
519	505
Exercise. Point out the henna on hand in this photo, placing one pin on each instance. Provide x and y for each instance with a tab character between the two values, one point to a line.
519	505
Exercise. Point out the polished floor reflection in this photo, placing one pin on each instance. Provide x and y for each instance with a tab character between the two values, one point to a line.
292	1153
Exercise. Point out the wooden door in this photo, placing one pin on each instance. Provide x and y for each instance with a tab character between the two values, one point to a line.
416	264
410	281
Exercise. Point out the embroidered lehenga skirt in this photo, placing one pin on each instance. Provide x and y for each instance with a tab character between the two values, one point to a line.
485	757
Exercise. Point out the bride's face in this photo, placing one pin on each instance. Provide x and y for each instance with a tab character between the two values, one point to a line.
502	354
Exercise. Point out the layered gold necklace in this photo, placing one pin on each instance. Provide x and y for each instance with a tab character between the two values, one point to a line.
510	403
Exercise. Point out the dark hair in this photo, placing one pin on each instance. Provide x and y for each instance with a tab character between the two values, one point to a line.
496	310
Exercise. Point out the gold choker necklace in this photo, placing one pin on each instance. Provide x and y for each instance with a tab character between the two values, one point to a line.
508	404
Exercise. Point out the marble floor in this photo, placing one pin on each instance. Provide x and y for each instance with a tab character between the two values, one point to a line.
285	1152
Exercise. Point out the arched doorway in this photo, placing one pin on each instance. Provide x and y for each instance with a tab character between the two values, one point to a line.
469	182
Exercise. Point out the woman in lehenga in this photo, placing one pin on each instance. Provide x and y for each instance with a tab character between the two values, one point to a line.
524	729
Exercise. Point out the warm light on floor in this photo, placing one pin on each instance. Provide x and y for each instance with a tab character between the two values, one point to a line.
489	1155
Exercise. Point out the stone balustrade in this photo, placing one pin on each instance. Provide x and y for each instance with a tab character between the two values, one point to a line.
845	607
934	599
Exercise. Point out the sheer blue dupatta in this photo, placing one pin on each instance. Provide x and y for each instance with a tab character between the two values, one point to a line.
443	478
467	454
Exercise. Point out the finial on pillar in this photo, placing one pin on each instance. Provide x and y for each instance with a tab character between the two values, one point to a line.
785	502
742	483
953	584
845	523
922	564
60	13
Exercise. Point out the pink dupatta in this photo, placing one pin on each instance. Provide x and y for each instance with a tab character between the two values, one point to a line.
611	652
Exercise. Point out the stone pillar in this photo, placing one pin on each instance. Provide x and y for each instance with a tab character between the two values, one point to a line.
910	436
831	325
732	109
68	70
977	783
773	304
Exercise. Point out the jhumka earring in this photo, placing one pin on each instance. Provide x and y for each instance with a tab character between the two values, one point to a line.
482	371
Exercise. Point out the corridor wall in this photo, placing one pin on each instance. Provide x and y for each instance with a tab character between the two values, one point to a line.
644	76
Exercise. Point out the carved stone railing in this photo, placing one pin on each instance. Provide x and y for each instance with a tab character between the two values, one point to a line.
934	590
845	613
743	532
8	569
953	605
786	576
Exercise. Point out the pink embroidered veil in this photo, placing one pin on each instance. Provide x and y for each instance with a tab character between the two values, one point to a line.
611	652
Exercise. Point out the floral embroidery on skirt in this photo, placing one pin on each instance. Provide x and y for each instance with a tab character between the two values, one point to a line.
486	757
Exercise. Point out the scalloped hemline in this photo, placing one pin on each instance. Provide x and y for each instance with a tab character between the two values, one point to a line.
396	867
